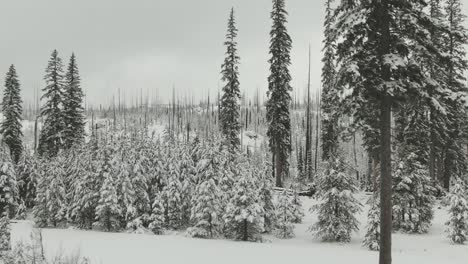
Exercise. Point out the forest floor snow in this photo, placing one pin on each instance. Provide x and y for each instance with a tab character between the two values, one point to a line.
124	248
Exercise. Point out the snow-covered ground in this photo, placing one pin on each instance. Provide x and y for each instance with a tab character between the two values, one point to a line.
122	248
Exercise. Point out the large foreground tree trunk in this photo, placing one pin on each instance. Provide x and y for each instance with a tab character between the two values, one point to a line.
385	256
385	183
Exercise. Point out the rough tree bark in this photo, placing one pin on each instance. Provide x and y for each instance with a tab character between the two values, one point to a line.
385	256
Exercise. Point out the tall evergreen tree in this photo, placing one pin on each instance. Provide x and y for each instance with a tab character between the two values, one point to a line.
378	60
73	106
455	40
12	111
229	114
279	88
52	133
329	94
436	117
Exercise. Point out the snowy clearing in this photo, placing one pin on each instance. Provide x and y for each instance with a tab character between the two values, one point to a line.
123	248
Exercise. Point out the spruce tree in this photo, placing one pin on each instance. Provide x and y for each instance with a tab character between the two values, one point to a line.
338	207
436	70
56	192
140	208
413	196
8	186
266	197
378	60
41	205
126	193
50	205
372	237
457	225
229	112
284	216
52	133
83	197
454	45
244	213
187	176
156	221
73	111
279	88
172	198
108	211
12	114
27	174
206	204
5	235
329	93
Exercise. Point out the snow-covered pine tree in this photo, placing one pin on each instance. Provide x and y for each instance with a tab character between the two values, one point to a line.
454	44
372	237
413	196
457	225
5	235
108	211
435	66
83	197
284	216
73	112
171	196
206	214
139	183
378	68
157	218
187	179
265	181
8	198
41	210
329	97
125	191
26	174
279	88
12	114
8	186
338	207
244	213
21	212
229	105
296	207
55	191
228	169
51	137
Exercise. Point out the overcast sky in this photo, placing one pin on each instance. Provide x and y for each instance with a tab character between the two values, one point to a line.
153	45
